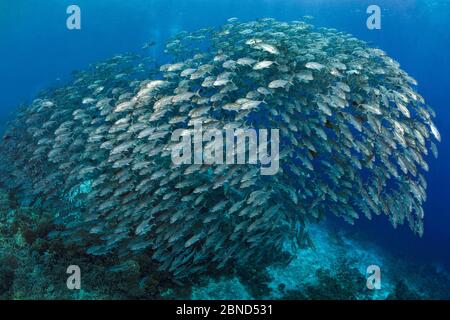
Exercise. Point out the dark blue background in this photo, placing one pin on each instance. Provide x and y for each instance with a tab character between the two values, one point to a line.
37	51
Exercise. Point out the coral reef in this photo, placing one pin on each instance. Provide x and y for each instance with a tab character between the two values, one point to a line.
34	267
335	269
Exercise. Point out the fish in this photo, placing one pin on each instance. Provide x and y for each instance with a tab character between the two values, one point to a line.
263	65
314	66
276	84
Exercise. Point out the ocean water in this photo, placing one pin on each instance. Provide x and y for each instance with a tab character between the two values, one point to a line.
37	51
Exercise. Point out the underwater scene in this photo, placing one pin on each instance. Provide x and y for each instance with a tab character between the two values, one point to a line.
224	150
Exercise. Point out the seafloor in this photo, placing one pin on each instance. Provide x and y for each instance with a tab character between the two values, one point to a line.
334	267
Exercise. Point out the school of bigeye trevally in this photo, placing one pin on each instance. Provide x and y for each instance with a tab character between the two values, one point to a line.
353	140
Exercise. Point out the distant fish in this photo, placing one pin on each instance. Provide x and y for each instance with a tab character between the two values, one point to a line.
148	45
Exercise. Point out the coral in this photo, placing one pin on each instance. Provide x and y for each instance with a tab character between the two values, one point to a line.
32	266
403	292
340	283
8	265
256	282
4	201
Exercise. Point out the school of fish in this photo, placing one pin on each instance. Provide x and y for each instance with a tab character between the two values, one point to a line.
354	138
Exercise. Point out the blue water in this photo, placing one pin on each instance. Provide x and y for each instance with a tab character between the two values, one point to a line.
38	51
